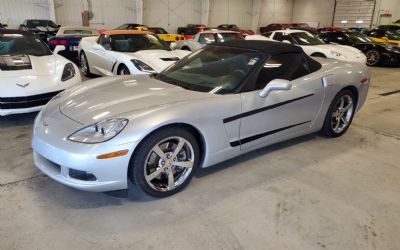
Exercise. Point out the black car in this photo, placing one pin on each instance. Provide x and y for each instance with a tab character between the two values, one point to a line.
385	35
129	26
40	27
3	25
376	53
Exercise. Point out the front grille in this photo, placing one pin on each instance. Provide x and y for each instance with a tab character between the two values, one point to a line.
26	101
170	59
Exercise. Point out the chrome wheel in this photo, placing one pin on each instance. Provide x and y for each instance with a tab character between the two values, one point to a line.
342	114
169	163
373	57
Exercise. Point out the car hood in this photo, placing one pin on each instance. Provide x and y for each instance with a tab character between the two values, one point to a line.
343	49
159	59
33	66
122	96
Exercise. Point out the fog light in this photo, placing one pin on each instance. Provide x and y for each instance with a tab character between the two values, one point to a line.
81	175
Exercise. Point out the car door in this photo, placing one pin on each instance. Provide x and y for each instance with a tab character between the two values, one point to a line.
101	56
280	113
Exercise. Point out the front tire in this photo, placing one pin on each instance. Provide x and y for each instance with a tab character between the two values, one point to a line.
165	162
85	65
340	114
373	57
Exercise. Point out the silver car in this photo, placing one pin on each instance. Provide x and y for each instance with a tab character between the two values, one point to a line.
217	103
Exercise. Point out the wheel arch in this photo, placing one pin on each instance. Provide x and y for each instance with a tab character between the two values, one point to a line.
319	54
355	92
189	127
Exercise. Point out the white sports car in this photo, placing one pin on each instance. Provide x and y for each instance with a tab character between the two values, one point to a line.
124	52
314	46
208	37
30	74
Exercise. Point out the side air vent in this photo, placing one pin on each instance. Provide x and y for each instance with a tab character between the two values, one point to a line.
171	59
19	62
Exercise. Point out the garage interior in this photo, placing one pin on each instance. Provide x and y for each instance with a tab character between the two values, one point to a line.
311	192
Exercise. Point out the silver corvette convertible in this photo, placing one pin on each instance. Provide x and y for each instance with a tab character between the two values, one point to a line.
215	104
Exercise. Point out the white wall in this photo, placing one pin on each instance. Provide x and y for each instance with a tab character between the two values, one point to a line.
171	14
237	12
14	12
275	11
320	11
106	14
393	5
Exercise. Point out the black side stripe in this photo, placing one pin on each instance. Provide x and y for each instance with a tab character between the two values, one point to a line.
253	112
255	137
112	69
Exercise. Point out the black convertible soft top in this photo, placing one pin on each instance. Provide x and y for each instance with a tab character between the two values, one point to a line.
268	47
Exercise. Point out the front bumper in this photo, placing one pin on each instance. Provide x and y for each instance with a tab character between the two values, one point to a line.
60	158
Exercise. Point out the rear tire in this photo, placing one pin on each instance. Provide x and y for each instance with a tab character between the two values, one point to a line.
340	114
186	48
373	57
85	65
165	161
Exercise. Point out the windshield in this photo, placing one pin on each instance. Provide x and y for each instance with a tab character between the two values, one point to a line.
305	38
213	69
158	30
136	42
299	25
41	23
358	37
18	44
224	37
393	35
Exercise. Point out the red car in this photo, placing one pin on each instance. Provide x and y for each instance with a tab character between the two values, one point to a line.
327	29
234	27
283	26
190	30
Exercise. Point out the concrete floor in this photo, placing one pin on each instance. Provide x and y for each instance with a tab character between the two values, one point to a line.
308	193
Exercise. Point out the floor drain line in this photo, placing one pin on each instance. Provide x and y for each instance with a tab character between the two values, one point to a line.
390	93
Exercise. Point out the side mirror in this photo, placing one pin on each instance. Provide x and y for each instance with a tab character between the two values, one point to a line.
286	41
98	47
58	49
275	85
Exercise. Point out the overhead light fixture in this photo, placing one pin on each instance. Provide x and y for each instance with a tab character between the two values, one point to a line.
359	21
343	21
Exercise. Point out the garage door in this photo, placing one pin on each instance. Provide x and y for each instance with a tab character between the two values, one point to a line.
171	14
353	13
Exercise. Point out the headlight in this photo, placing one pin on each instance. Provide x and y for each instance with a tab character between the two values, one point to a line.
99	132
68	72
142	66
335	53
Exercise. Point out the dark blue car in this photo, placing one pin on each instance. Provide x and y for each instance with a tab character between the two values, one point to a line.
70	37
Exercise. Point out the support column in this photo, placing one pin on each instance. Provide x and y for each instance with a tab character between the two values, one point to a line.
256	14
52	11
139	11
205	11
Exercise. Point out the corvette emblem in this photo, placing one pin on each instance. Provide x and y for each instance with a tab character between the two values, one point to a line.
23	85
